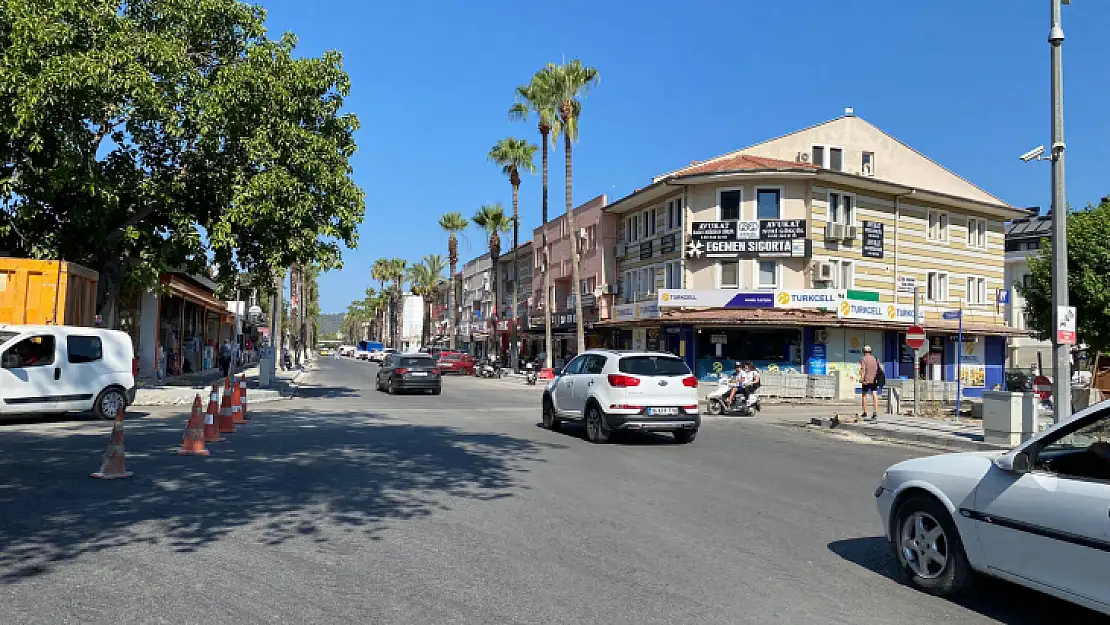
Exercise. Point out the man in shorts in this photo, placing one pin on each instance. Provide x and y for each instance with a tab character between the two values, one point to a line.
868	377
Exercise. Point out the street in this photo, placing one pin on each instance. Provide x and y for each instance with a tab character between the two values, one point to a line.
346	505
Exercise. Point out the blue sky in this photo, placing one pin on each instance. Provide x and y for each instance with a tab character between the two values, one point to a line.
965	83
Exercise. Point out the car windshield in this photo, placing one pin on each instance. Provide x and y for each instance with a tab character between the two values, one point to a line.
4	336
653	365
416	361
450	357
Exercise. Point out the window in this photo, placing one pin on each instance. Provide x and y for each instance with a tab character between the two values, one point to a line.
867	164
1027	280
647	280
653	365
730	274
844	274
842	208
768	274
674	214
819	155
627	291
587	286
976	293
976	232
936	289
768	203
629	229
938	226
1078	450
674	274
649	225
33	351
836	159
575	365
595	364
729	201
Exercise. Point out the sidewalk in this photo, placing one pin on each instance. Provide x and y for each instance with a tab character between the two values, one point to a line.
183	389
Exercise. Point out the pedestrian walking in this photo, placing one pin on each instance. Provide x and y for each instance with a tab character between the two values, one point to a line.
870	377
225	357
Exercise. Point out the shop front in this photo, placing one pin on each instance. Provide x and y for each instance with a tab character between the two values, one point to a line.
771	349
192	324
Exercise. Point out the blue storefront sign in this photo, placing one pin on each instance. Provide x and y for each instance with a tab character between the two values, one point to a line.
818	364
1003	296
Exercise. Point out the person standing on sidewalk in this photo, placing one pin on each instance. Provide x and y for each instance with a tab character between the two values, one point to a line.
225	357
869	381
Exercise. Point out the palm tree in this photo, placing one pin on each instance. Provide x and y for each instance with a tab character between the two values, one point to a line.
396	275
380	271
570	81
492	219
514	156
539	97
452	222
424	278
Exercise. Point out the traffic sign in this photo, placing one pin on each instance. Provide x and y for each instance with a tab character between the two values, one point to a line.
1042	386
915	337
1065	333
952	315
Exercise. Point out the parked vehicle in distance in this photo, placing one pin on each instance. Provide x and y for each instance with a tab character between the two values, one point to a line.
456	362
346	350
407	372
58	369
1036	515
615	391
379	356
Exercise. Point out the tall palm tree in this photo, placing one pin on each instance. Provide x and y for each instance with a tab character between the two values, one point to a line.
570	81
396	276
539	97
514	156
380	271
452	222
492	219
424	278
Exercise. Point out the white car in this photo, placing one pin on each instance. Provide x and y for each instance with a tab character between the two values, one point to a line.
611	391
57	369
1038	515
379	356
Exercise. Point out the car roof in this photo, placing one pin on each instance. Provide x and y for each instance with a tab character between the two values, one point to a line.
625	353
12	327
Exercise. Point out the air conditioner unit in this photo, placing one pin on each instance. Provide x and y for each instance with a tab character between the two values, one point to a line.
822	272
849	232
803	157
820	335
834	230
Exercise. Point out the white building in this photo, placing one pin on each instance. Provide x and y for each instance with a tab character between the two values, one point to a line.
412	320
1023	240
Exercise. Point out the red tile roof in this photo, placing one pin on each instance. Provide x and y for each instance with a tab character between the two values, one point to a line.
742	162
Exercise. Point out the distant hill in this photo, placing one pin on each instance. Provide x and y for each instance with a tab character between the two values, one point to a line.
328	325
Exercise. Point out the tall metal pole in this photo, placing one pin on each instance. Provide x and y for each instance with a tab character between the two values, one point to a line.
1061	354
916	357
959	358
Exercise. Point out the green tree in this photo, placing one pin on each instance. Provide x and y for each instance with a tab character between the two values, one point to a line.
380	271
424	279
514	156
396	293
570	81
131	128
539	97
1088	278
491	218
452	222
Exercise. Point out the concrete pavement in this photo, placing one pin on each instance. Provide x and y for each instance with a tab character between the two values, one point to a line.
345	505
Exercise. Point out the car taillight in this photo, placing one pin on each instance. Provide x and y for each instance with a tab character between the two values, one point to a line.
619	380
402	370
134	366
690	381
693	407
436	371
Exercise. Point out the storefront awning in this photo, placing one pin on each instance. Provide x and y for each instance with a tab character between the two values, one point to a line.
196	295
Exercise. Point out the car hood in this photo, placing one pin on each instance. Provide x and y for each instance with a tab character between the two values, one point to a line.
970	463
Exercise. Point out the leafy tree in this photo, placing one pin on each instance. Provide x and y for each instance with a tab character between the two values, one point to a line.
395	274
539	97
452	222
492	219
424	280
570	81
143	135
514	156
1088	278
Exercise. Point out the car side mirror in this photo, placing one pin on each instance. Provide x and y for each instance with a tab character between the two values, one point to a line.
1017	463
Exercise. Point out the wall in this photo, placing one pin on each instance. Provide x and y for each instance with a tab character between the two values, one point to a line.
845	348
591	257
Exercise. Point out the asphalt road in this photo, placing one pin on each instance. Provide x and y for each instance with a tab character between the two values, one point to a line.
346	505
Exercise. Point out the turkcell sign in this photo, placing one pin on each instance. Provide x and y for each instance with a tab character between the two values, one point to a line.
875	311
810	298
717	298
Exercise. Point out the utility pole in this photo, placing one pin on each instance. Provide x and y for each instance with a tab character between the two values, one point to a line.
1061	353
916	357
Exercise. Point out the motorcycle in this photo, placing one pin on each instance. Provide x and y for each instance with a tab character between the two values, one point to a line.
488	369
530	374
718	401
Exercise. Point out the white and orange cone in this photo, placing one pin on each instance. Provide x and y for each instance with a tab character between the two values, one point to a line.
193	444
211	428
112	466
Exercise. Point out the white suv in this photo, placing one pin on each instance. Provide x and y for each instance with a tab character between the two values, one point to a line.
610	390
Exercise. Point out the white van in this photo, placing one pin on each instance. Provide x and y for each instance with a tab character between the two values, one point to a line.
51	369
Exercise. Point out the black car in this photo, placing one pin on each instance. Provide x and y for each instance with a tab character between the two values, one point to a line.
408	372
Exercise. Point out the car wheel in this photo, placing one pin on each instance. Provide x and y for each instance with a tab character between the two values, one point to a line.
392	387
437	390
685	436
550	421
596	432
928	547
109	402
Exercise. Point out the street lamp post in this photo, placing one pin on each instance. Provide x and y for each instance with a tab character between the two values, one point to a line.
1061	353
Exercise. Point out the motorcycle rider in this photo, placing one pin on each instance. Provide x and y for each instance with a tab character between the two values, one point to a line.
739	378
753	380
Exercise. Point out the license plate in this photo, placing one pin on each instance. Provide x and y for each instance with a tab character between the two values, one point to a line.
663	411
420	373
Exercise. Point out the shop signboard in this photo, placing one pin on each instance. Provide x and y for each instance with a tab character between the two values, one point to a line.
717	298
810	298
818	362
635	312
973	365
765	238
907	284
872	239
875	311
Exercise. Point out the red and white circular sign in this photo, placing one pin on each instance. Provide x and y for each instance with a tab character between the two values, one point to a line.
915	337
1042	386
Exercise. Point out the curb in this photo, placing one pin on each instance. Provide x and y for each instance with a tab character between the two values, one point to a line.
932	440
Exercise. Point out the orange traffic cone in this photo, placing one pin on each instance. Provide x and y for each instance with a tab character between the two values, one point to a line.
227	421
112	467
211	428
193	445
236	403
243	396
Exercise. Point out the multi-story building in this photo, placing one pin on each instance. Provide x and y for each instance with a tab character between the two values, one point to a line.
475	307
1023	239
797	252
505	282
597	233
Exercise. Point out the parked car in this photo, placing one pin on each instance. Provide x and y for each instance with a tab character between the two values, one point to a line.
406	372
57	369
456	362
1036	515
612	391
379	356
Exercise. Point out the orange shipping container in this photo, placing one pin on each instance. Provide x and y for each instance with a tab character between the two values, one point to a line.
47	292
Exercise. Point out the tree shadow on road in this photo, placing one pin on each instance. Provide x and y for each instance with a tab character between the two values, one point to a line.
1002	601
291	474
